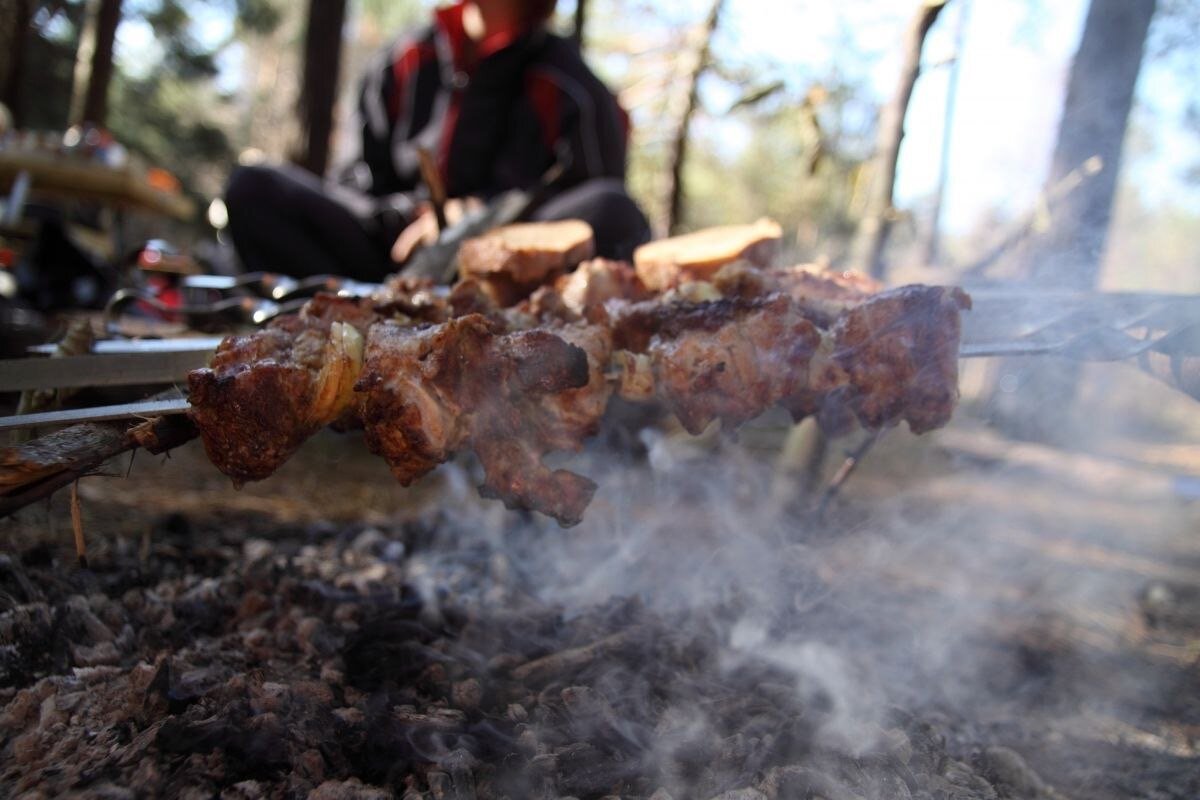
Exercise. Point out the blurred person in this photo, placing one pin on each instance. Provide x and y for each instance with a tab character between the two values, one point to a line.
498	100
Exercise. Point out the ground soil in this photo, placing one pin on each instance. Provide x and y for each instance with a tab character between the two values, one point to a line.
973	617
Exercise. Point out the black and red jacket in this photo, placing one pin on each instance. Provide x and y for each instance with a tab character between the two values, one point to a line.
496	114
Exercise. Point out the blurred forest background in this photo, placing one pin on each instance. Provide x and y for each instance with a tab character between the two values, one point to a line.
740	108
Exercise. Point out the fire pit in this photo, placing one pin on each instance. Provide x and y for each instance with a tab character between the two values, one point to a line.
696	637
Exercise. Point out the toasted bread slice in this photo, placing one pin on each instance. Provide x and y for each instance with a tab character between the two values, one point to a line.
697	256
527	253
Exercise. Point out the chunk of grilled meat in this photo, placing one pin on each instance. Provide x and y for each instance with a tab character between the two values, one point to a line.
574	415
583	294
265	393
427	392
514	384
893	356
727	359
899	354
823	293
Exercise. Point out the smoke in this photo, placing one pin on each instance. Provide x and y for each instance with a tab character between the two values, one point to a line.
963	574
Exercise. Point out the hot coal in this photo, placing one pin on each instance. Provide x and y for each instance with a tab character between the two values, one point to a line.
307	663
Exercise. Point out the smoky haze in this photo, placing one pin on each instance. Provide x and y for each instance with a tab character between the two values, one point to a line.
998	587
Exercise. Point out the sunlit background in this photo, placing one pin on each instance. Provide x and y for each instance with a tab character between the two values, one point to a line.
751	150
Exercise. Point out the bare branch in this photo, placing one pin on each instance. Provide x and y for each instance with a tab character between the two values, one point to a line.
880	213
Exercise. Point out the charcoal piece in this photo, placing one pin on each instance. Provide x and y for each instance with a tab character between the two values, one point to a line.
467	694
1008	769
156	702
388	649
783	783
964	784
33	644
890	785
742	794
459	766
592	718
352	789
199	616
255	747
565	663
585	771
15	586
1171	606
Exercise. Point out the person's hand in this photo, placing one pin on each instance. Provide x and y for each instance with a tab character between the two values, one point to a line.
424	231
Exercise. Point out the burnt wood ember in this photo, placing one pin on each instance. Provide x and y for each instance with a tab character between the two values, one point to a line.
274	667
280	684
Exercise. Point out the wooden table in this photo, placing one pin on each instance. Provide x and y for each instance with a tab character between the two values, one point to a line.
62	176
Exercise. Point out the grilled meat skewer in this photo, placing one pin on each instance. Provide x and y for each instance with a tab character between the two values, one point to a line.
514	385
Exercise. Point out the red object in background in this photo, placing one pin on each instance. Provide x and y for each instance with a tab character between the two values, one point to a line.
8	257
160	270
165	289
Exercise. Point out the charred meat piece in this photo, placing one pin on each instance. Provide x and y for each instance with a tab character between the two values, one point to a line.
265	393
598	281
899	355
514	384
729	360
418	299
635	325
573	415
427	392
891	357
822	293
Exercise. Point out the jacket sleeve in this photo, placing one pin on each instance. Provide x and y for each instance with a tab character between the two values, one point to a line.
581	121
373	168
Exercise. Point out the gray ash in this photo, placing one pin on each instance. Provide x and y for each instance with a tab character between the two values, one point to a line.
305	663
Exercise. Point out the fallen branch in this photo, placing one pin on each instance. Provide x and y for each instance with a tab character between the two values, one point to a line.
77	526
37	469
568	661
844	472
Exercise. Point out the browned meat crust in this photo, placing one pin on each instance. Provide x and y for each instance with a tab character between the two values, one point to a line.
515	384
899	352
634	325
892	357
431	391
733	363
258	400
822	293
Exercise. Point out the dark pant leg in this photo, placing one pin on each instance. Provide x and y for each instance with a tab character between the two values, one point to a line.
619	225
285	220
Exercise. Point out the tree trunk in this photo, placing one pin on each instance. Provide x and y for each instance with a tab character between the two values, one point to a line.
580	19
95	101
84	51
1095	116
879	213
9	11
1040	394
673	202
10	89
318	93
933	240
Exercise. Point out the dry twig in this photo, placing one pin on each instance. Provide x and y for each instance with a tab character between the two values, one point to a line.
77	526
